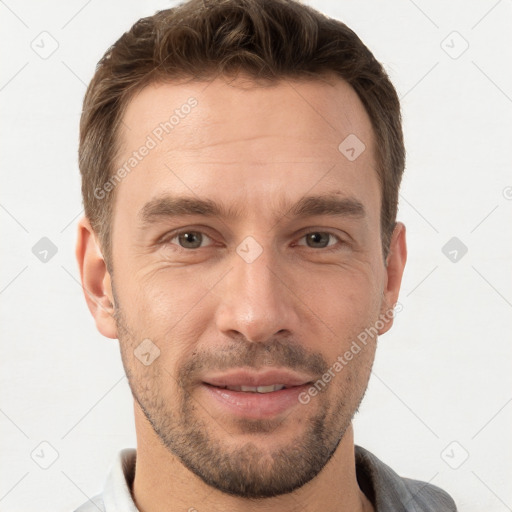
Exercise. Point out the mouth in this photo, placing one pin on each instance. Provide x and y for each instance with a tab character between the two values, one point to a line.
255	389
257	382
255	395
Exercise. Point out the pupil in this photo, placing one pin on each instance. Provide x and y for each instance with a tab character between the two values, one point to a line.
319	238
191	240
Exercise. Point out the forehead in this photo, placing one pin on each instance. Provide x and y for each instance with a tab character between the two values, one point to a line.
245	143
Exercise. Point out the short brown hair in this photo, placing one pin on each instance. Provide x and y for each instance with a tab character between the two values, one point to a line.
201	39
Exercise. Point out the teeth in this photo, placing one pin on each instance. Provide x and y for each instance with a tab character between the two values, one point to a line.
257	389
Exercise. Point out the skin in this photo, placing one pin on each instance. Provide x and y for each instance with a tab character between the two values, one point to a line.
257	150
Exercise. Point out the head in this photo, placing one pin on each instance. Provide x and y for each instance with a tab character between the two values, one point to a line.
240	165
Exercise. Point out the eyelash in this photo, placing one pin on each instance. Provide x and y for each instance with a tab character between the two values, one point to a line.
329	248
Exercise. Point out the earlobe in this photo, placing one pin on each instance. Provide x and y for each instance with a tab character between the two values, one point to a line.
96	283
395	264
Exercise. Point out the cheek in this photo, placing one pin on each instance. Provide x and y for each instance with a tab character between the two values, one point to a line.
170	308
162	297
343	297
345	305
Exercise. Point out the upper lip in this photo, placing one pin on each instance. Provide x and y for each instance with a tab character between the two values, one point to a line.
239	377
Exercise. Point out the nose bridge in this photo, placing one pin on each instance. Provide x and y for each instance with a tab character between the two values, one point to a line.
255	302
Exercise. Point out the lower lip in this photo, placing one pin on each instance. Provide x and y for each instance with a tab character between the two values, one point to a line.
255	405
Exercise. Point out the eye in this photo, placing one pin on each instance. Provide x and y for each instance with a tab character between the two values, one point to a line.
319	239
190	239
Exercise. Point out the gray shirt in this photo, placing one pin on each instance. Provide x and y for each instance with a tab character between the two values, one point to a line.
384	488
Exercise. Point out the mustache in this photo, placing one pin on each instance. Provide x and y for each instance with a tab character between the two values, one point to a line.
254	355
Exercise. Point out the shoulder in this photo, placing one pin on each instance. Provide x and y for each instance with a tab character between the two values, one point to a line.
93	505
391	492
116	493
427	497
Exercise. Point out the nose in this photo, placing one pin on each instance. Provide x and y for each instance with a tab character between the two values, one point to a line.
257	300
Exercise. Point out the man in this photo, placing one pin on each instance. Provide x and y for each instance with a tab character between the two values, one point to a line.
240	165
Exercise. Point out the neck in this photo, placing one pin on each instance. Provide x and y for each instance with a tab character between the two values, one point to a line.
163	484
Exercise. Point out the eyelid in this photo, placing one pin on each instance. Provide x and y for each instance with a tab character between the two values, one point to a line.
335	235
192	231
171	235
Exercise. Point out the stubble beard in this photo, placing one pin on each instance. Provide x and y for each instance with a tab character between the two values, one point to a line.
248	469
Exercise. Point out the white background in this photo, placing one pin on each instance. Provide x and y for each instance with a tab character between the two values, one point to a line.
443	373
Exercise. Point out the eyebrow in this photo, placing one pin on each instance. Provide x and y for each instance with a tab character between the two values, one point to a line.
328	205
168	206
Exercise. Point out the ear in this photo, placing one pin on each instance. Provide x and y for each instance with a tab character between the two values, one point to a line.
395	264
95	279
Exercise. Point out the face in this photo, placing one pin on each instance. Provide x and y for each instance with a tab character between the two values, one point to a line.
247	252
